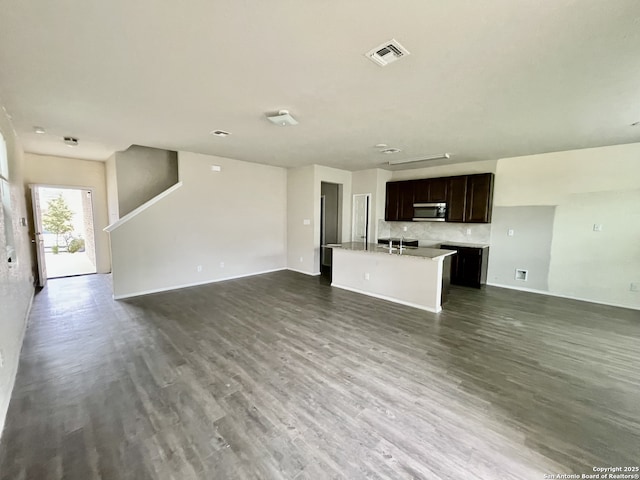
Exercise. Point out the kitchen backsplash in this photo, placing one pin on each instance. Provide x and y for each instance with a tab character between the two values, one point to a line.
429	233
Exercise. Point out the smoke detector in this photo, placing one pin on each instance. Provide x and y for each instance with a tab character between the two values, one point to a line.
282	119
387	53
71	141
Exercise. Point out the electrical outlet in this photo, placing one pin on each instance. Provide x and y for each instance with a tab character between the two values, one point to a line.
633	287
510	232
468	231
301	259
199	268
366	276
597	227
306	221
1	358
404	229
221	264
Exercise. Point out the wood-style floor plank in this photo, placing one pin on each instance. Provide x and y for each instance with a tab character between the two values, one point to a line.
279	376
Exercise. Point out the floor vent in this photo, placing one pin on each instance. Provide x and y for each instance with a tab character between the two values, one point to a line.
387	53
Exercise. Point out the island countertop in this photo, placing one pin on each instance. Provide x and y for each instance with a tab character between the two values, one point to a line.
420	252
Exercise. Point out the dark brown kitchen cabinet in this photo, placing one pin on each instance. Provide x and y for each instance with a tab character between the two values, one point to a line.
438	189
392	202
469	198
431	190
405	210
457	199
399	201
468	265
479	198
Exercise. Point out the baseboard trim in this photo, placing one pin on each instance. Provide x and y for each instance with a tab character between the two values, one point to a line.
389	299
551	294
196	284
315	274
14	372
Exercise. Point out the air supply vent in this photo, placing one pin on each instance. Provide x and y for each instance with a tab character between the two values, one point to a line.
387	53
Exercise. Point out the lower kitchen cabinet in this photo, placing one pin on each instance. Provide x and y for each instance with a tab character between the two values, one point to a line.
469	265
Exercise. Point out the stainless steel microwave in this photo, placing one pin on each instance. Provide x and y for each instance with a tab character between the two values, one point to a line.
429	212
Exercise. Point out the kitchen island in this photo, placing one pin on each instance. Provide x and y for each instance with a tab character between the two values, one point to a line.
415	276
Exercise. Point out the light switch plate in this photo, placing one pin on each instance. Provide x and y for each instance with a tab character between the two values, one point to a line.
597	227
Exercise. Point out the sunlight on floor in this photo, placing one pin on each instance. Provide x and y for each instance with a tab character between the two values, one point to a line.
66	264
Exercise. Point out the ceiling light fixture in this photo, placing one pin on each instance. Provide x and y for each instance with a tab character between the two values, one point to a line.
71	141
434	157
391	150
39	130
219	133
283	119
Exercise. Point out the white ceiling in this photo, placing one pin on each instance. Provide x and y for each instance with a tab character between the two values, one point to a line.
485	80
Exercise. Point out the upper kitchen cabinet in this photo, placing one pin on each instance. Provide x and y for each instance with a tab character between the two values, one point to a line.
479	198
457	199
469	198
431	190
400	199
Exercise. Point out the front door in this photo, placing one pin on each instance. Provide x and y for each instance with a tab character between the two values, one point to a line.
38	237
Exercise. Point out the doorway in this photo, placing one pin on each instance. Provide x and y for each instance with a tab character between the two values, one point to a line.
64	231
330	223
360	232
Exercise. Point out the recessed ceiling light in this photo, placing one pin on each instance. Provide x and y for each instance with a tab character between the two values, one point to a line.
388	151
71	141
635	124
39	130
219	133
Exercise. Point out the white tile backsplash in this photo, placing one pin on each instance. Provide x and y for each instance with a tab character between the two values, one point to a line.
429	233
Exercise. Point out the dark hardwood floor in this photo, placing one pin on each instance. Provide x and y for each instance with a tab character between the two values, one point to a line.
279	376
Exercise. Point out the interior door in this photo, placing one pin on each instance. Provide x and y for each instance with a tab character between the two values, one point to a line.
38	235
360	230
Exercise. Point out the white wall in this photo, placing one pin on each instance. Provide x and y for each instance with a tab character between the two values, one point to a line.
373	181
300	209
486	166
72	172
16	281
587	187
237	216
142	173
304	191
112	189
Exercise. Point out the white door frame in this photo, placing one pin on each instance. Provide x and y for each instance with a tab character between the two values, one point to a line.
368	218
37	227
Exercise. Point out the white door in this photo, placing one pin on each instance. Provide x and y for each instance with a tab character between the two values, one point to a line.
38	236
360	230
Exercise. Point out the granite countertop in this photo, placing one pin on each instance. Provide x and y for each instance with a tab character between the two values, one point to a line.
420	252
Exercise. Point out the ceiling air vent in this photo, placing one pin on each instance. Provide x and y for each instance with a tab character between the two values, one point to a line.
387	53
